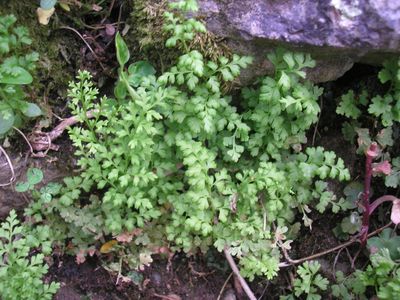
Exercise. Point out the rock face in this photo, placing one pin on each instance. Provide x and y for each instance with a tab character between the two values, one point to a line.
337	33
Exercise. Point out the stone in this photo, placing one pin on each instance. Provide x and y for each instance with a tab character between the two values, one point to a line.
337	33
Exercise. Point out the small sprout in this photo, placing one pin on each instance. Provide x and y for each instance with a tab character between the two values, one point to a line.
373	150
395	215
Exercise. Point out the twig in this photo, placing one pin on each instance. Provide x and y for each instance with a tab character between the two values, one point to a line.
235	270
38	142
316	125
223	287
10	166
59	129
264	290
25	138
200	274
119	271
87	44
291	262
109	11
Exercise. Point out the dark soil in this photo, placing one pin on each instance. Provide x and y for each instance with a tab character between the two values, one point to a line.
186	278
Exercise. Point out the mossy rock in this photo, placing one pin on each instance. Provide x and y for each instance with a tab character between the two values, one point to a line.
147	36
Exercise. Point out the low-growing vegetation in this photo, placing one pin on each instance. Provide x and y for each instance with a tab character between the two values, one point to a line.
185	160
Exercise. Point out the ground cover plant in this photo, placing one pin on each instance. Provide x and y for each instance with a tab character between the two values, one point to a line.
199	176
16	64
21	275
183	160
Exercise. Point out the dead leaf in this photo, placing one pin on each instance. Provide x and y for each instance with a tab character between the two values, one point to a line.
80	257
107	247
145	260
96	7
124	237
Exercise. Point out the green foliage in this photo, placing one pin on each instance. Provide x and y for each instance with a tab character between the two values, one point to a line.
348	288
383	274
20	272
15	68
387	239
380	106
283	108
177	165
309	282
182	29
33	176
393	180
348	104
387	107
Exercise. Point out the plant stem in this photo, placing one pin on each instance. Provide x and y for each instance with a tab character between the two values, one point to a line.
370	155
235	271
291	261
379	201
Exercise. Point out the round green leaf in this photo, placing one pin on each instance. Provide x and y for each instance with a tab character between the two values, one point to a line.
34	176
31	110
22	187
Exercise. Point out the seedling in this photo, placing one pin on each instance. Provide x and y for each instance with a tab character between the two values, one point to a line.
34	176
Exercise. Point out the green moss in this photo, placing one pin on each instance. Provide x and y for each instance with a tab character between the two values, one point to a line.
148	38
53	72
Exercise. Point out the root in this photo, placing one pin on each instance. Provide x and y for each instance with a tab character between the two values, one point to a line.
10	165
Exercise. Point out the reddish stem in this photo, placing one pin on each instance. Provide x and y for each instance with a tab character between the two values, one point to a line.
379	201
371	153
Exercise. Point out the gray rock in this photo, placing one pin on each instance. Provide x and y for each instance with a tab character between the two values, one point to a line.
337	33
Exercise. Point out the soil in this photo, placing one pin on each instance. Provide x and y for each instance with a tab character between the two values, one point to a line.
186	278
197	277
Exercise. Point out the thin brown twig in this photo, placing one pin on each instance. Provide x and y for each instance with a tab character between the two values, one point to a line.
109	11
236	271
10	166
37	142
316	125
25	138
87	44
59	129
290	261
224	285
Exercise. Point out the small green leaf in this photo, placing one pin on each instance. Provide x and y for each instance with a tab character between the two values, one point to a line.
122	50
19	76
34	176
31	110
139	70
22	187
6	121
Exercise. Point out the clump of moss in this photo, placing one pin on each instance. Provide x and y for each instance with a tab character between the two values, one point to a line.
53	71
149	37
